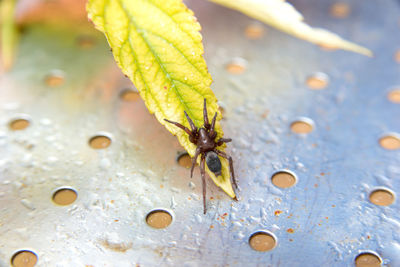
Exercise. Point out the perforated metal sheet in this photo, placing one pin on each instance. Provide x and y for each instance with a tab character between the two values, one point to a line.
326	219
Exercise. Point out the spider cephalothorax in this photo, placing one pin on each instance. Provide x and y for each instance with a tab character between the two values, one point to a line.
204	139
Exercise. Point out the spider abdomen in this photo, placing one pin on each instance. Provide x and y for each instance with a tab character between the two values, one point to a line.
213	163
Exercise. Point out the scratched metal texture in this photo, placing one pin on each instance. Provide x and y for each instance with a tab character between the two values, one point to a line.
337	164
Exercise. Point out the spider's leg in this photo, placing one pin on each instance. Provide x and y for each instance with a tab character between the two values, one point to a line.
180	126
224	155
205	115
223	140
213	124
203	178
194	129
194	159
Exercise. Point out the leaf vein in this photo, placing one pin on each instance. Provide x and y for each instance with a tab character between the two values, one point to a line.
156	57
177	49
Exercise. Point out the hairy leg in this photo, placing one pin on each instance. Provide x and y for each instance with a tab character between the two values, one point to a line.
223	140
194	159
194	129
205	115
203	179
224	155
213	124
180	126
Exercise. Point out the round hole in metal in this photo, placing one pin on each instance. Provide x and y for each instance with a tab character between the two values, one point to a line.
254	31
24	258
302	126
159	219
55	79
64	196
19	124
394	96
340	10
262	241
284	179
184	160
382	197
236	66
129	95
390	141
368	259
317	81
85	41
100	142
397	56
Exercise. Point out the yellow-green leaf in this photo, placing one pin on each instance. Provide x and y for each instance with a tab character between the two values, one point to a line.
157	44
285	17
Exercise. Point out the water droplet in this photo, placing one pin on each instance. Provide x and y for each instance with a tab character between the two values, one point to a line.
255	148
194	196
275	228
11	106
263	213
238	224
299	165
172	243
275	191
105	164
51	160
114	242
239	235
380	179
392	251
45	122
78	163
173	203
192	185
175	190
335	247
17	185
3	163
199	218
28	204
253	219
269	138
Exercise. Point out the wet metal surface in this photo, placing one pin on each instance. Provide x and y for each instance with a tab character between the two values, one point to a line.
324	219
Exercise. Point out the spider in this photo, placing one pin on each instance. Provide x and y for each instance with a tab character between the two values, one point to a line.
204	139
